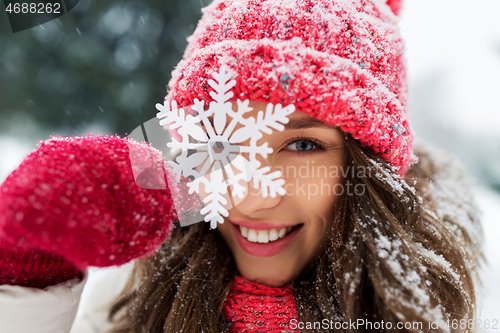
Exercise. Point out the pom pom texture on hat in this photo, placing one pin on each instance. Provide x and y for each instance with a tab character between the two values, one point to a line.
340	61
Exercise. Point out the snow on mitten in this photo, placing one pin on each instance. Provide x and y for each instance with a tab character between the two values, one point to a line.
74	203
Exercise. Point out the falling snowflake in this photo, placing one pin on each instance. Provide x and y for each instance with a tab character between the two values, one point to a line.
211	149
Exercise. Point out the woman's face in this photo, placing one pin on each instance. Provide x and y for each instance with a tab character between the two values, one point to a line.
274	239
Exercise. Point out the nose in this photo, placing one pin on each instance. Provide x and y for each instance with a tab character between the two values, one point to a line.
254	202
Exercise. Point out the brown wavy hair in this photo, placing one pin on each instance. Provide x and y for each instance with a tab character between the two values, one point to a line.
391	256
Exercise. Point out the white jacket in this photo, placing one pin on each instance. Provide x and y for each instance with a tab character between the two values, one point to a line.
61	308
54	309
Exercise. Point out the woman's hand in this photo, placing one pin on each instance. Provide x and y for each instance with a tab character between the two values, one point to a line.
74	203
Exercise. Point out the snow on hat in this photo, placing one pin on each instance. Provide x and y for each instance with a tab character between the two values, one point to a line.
340	61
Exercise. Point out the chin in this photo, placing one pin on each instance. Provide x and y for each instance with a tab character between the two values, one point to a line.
268	273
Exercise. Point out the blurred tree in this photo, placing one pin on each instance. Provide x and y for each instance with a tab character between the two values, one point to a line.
103	62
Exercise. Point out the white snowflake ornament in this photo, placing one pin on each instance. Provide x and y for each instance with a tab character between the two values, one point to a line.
211	151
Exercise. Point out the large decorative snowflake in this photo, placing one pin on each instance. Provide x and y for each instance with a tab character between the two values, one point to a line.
212	149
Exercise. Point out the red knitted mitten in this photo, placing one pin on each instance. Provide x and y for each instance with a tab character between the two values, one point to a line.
32	268
74	203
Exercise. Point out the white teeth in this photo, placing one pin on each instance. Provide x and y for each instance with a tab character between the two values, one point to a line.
263	236
244	231
273	234
252	236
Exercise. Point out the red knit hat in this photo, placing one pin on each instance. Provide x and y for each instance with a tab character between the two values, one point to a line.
340	61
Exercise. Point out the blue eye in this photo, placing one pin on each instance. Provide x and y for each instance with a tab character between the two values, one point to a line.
301	145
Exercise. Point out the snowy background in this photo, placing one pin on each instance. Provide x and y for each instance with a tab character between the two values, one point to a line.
453	54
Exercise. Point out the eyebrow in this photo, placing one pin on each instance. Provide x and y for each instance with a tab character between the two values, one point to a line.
305	123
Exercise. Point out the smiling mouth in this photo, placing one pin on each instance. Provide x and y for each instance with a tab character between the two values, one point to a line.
266	235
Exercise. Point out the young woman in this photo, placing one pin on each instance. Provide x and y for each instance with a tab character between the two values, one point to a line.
362	234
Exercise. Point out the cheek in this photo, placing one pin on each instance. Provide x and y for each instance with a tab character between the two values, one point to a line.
224	229
314	185
226	232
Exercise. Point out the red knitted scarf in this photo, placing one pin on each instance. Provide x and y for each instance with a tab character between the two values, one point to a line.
253	307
